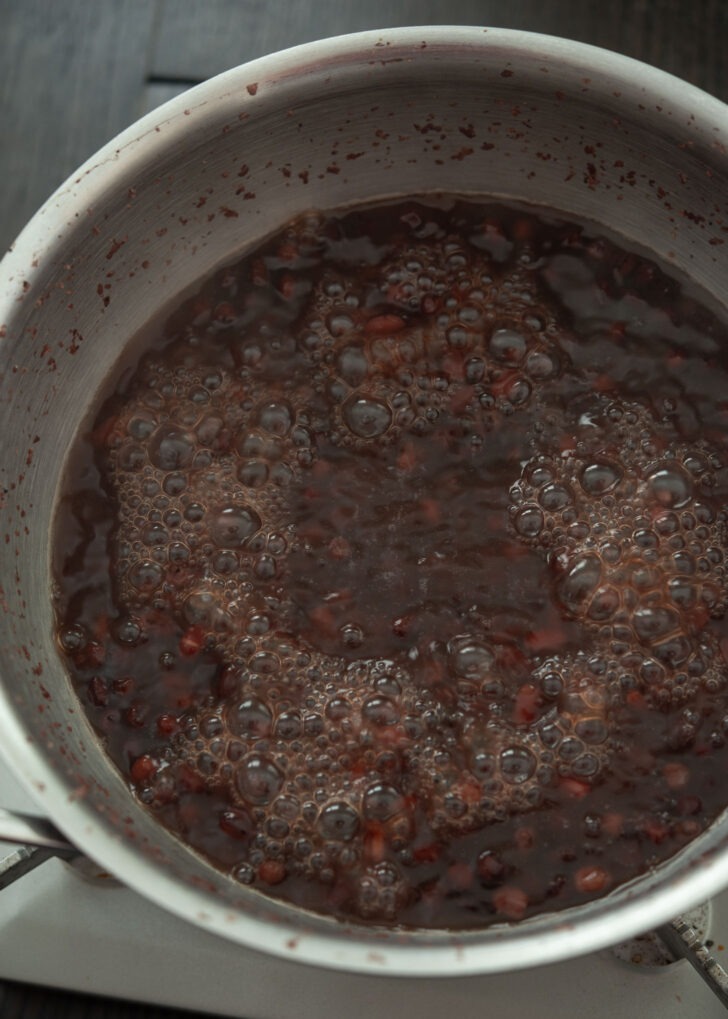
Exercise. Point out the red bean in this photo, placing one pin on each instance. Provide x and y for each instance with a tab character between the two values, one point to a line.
511	901
143	769
591	879
271	872
381	324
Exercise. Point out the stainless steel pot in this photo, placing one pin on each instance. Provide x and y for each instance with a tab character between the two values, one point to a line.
190	186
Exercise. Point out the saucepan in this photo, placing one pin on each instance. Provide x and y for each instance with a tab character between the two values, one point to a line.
363	117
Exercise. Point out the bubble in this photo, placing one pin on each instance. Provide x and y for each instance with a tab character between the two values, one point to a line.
682	592
382	801
670	485
201	608
366	416
277	828
666	523
253	473
281	474
381	892
289	725
128	630
592	730
652	622
265	567
339	324
555	497
684	564
552	684
518	392
517	764
178	553
529	521
194	512
579	582
471	658
265	663
72	638
585	766
209	428
244	873
174	484
225	562
258	780
141	426
458	337
674	651
605	602
352	636
474	370
313	724
508	346
353	365
232	526
338	822
380	711
155	534
145	576
598	478
470	314
338	708
276	418
251	717
540	365
389	685
131	457
277	544
171	448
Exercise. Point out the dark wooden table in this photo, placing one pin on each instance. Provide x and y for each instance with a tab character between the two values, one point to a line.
75	72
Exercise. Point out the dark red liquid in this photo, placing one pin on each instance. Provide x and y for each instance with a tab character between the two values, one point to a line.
394	578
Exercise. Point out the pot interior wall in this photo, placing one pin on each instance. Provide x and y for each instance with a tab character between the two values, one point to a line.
201	180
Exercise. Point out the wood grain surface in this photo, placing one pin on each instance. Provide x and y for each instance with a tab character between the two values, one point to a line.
75	72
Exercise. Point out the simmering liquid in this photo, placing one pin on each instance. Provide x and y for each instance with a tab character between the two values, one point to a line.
394	576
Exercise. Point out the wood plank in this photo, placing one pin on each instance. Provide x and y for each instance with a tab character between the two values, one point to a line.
21	1001
72	76
197	40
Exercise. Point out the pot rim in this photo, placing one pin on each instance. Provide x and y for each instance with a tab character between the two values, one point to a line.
547	938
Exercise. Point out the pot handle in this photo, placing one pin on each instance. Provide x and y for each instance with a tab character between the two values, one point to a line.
684	942
39	839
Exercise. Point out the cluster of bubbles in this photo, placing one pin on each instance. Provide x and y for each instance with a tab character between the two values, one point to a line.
637	549
430	331
494	768
204	457
332	767
310	755
202	465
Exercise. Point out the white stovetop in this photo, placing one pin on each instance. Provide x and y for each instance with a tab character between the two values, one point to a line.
59	929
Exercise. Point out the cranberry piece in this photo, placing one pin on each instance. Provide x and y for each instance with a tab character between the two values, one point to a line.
491	869
98	691
192	640
591	879
236	823
143	769
511	901
272	872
